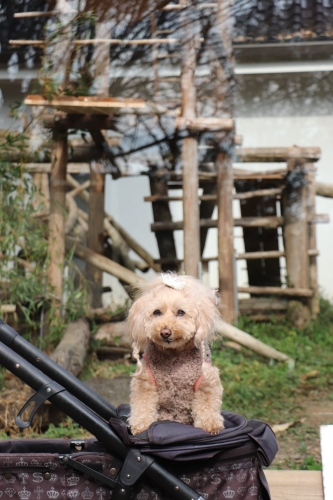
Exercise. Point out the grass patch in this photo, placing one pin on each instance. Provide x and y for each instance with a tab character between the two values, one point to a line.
260	388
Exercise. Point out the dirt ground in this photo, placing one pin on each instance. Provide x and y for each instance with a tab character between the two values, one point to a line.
301	442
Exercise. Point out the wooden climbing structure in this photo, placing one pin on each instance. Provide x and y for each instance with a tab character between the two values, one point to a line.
273	204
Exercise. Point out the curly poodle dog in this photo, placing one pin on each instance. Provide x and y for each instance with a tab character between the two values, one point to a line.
172	321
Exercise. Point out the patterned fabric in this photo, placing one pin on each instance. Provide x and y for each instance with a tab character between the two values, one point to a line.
237	481
44	477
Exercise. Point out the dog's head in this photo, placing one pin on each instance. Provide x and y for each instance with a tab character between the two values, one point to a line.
172	310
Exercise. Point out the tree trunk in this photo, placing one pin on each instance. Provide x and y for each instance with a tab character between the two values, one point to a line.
72	349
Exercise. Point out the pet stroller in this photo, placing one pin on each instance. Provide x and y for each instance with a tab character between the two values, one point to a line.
168	461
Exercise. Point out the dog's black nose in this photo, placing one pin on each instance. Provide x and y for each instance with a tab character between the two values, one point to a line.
166	333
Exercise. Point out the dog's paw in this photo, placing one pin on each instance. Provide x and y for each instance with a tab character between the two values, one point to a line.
135	429
213	426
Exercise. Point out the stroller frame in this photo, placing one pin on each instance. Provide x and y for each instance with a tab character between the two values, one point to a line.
52	382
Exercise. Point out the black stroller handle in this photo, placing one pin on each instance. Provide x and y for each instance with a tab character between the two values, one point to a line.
41	361
87	418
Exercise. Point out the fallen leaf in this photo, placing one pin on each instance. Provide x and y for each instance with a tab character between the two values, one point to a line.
311	374
283	427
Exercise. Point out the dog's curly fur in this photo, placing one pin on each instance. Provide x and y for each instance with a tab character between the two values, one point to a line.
173	326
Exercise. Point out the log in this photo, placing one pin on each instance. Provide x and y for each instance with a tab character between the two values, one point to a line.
57	212
131	242
73	213
266	155
246	340
189	147
114	334
72	349
225	237
323	189
105	314
269	222
95	235
255	305
200	124
295	229
103	263
135	246
212	197
311	191
119	247
272	290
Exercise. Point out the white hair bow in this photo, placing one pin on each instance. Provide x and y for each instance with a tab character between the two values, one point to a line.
173	281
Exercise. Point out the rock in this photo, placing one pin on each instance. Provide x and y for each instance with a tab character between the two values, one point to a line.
114	390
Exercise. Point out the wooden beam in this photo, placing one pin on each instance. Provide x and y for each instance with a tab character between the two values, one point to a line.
271	222
311	191
200	124
78	121
225	237
103	263
323	189
295	484
162	215
57	219
189	149
212	197
271	290
295	228
245	256
266	155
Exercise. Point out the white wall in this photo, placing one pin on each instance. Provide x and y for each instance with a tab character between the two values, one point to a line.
302	131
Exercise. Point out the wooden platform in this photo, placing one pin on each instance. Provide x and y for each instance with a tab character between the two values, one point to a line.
295	484
90	105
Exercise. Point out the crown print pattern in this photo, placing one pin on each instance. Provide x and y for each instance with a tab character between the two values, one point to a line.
222	481
45	477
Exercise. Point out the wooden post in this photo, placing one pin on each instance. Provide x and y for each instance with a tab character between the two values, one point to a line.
161	213
225	225
57	210
190	151
296	225
312	239
95	238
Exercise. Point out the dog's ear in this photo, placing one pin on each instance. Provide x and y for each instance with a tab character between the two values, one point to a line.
136	321
207	317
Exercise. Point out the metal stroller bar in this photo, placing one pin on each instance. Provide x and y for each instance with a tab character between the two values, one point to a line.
84	416
38	359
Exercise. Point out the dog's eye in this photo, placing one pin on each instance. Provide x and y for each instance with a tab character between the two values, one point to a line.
180	312
157	312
